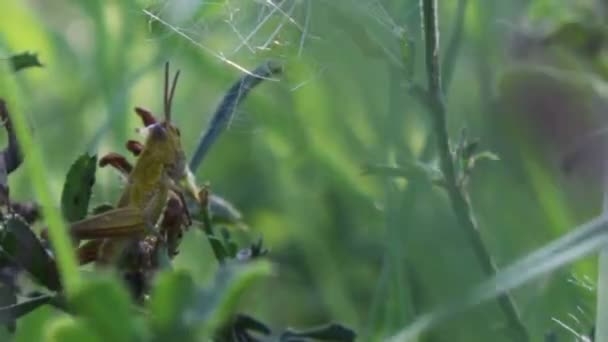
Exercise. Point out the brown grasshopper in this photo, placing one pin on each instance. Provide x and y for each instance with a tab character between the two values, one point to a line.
151	190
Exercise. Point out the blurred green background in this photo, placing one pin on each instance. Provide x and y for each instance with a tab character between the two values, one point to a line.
369	251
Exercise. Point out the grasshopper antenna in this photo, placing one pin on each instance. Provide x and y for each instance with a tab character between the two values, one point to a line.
168	94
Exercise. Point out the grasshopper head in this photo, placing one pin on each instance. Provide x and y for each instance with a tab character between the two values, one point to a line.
164	139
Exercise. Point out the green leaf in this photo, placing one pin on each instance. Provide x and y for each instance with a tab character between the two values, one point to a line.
22	246
230	247
25	60
78	187
169	301
330	332
106	307
240	328
485	155
216	305
416	171
222	211
582	37
580	242
67	329
255	250
11	312
408	54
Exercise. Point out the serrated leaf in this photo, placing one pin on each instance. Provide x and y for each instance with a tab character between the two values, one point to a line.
22	246
330	332
170	298
78	187
24	60
106	307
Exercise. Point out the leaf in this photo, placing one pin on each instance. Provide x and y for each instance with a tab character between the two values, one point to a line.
67	329
23	247
223	211
469	149
106	307
330	332
408	54
582	37
240	329
25	60
232	99
216	305
12	155
8	297
78	187
580	242
416	171
252	252
220	210
10	313
230	247
170	298
485	155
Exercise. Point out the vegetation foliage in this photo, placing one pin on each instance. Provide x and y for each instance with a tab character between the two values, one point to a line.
373	170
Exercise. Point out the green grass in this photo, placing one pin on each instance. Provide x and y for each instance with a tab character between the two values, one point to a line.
371	251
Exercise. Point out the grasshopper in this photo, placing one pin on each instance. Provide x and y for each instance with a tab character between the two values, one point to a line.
151	183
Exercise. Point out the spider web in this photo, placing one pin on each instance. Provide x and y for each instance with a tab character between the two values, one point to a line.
233	31
237	32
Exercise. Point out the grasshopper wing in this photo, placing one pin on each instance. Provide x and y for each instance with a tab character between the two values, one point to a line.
119	222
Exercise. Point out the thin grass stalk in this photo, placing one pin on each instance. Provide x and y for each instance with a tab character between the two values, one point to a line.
451	52
34	163
458	198
601	325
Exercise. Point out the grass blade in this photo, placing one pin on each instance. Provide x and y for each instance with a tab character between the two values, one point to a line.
223	114
35	166
582	241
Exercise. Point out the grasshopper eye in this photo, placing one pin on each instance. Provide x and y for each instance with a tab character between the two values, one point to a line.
157	131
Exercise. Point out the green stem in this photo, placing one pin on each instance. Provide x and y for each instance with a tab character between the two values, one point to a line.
601	321
451	52
456	194
34	162
216	245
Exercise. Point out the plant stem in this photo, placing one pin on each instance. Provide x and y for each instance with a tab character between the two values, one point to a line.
216	246
601	325
34	163
456	194
451	53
